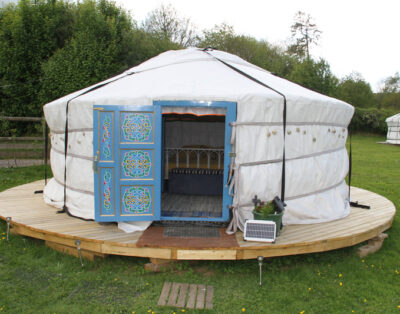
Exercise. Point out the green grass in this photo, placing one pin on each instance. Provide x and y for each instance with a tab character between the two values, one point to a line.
35	279
10	177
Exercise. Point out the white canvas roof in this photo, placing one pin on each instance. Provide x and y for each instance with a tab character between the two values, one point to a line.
317	161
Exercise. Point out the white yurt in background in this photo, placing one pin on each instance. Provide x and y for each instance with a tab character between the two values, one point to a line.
393	134
194	135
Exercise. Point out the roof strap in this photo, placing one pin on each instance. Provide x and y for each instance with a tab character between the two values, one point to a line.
65	208
206	50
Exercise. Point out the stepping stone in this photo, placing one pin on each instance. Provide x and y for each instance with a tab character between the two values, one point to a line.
186	295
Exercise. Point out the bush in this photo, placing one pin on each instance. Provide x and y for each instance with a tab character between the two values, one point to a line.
371	120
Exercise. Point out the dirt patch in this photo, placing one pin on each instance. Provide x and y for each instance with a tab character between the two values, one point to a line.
99	293
205	271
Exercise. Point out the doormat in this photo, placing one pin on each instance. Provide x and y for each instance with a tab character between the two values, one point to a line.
191	232
186	295
154	237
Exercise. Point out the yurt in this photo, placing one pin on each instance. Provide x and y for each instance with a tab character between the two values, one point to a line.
393	134
195	135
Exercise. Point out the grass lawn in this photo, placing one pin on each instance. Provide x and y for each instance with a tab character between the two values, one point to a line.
36	279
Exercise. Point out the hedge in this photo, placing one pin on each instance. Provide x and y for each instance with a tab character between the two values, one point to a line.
371	120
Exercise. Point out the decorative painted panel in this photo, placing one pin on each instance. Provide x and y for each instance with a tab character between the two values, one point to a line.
106	136
137	127
127	162
136	200
137	164
106	191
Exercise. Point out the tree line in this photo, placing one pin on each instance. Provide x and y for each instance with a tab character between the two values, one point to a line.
49	48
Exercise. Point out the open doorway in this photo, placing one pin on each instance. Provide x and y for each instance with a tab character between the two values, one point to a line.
192	166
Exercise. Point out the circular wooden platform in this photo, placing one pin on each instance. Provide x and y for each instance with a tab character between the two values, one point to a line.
32	217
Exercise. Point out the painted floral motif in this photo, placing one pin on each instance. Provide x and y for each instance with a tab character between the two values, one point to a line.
136	164
137	200
106	147
136	127
107	189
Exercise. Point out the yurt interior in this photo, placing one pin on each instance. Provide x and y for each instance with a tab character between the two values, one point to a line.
193	167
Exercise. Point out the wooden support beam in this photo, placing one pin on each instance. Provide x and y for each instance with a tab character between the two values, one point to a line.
158	264
73	251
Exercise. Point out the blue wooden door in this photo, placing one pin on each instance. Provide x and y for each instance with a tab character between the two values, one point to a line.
127	163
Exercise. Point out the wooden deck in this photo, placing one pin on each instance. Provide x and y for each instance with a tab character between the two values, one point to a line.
32	217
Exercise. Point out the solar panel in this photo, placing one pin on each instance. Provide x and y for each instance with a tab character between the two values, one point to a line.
260	230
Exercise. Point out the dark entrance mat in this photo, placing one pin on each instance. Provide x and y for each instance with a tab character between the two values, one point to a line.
191	232
154	237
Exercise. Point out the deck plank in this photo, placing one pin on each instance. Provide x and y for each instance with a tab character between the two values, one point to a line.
209	297
201	293
182	295
192	296
164	294
173	296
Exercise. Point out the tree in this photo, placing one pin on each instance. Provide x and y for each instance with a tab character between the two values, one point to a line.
389	94
105	41
101	45
165	23
258	52
49	48
218	37
391	84
304	34
356	91
315	75
29	34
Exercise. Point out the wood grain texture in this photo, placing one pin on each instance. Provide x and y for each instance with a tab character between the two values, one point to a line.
174	294
209	297
32	217
164	294
182	295
73	251
201	294
192	296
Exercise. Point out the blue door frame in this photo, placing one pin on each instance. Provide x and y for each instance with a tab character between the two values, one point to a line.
230	116
127	150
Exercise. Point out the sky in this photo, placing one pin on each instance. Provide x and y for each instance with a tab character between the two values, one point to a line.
357	35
